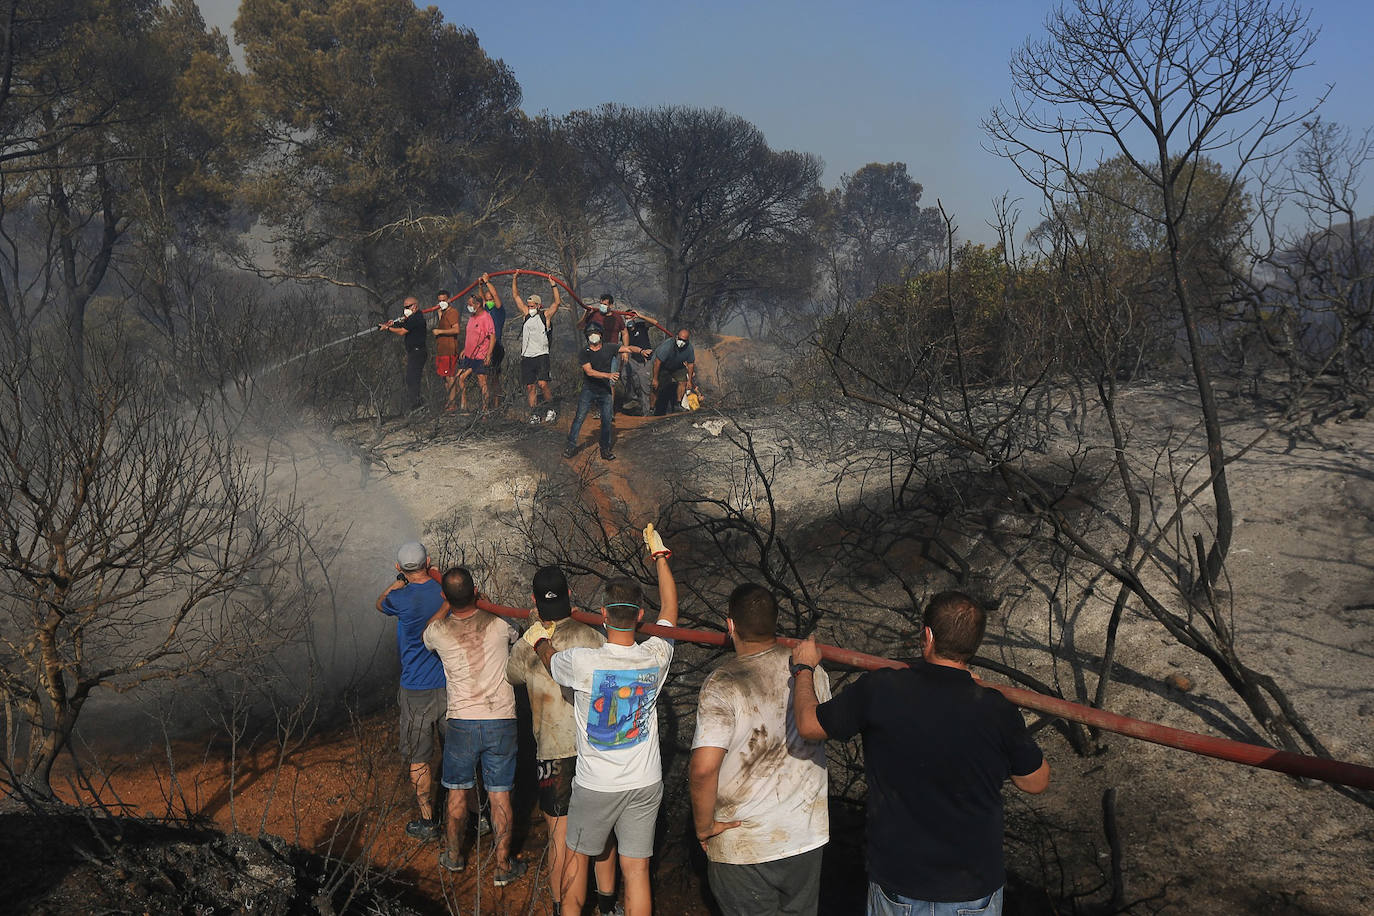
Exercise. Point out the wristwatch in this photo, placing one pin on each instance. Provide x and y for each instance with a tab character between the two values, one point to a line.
798	668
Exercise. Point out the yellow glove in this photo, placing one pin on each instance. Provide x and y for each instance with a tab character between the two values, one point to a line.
655	543
535	632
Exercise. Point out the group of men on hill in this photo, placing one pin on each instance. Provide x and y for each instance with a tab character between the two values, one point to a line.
937	745
618	345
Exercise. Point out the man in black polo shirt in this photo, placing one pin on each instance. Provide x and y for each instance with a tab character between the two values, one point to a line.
937	748
600	363
412	328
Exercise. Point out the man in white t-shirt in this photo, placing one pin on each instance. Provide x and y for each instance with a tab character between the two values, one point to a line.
534	348
619	780
474	647
758	788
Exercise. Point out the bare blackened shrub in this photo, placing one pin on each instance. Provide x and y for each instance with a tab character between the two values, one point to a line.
139	545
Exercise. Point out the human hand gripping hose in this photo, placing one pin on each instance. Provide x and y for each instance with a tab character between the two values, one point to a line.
655	543
537	631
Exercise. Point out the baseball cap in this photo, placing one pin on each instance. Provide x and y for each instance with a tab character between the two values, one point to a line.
412	556
535	300
551	593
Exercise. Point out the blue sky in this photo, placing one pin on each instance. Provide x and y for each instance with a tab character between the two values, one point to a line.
858	82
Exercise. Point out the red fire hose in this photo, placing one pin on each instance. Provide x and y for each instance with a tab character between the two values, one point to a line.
624	313
1333	771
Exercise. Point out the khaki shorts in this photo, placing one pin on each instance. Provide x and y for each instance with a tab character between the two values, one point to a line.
422	711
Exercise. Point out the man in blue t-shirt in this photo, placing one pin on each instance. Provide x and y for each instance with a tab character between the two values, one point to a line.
674	371
937	748
413	599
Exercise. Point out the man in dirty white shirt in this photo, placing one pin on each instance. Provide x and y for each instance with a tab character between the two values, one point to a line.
758	788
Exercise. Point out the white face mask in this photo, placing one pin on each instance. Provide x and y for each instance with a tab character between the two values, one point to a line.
443	304
407	312
472	310
593	339
681	343
603	308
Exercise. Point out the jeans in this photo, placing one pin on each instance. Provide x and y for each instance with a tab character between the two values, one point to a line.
490	743
606	401
880	903
637	384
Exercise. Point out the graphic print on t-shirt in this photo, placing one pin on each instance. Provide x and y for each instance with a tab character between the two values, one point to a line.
621	703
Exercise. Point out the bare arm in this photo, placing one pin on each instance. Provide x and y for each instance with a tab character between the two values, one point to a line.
515	294
703	777
804	700
398	583
557	301
1034	783
667	592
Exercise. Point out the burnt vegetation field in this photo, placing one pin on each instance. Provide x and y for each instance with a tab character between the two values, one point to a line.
1135	428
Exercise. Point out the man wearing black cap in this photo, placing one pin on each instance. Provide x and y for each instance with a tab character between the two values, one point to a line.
413	598
555	728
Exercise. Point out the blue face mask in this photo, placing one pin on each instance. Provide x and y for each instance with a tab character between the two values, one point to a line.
603	308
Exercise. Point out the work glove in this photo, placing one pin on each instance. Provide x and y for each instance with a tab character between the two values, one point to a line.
537	631
655	543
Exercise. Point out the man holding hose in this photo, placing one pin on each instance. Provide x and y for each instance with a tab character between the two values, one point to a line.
618	785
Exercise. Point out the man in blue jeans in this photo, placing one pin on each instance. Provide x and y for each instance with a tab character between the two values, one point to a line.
937	748
600	372
474	647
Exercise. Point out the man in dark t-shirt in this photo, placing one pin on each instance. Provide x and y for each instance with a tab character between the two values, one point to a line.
937	748
412	328
600	363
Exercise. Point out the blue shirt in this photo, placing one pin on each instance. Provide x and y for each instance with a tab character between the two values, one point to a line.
412	605
498	320
671	357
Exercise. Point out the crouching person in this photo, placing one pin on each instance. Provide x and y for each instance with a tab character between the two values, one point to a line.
474	647
619	781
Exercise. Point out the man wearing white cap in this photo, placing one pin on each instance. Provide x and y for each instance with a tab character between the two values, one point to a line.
413	598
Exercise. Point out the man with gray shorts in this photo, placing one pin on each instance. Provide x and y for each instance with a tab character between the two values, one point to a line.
618	784
413	598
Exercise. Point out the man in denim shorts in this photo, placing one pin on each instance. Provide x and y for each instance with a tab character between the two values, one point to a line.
412	599
474	647
618	784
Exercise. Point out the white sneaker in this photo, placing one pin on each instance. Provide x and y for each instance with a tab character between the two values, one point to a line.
534	418
551	415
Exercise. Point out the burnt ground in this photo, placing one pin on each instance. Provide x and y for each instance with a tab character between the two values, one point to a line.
1192	834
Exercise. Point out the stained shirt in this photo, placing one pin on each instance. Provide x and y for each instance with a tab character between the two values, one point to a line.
771	778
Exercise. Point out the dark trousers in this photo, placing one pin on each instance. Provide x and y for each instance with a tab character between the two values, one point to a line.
790	886
415	370
585	402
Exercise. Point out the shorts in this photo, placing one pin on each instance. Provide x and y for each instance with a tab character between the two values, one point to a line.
421	713
534	369
555	785
446	366
631	814
489	742
498	356
678	375
474	365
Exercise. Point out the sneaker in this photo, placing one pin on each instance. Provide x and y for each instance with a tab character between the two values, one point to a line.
551	415
608	456
570	452
452	864
483	825
534	418
618	911
423	829
510	875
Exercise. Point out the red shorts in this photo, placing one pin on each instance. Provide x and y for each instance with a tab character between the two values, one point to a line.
446	366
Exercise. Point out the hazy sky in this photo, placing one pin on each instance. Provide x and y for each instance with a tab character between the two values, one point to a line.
856	82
